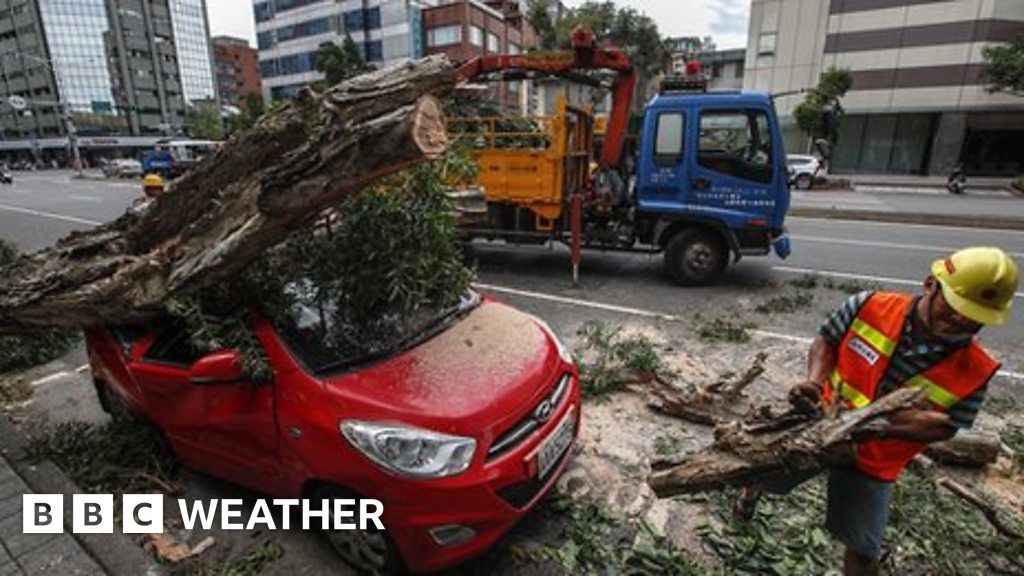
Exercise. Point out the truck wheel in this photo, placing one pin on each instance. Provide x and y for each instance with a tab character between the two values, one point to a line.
369	551
695	257
804	181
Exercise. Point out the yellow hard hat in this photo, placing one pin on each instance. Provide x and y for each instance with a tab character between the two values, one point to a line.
979	283
152	181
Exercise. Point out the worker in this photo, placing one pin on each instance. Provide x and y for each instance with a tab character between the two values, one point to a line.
152	188
879	342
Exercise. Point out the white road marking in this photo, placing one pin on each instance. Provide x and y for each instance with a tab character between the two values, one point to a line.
657	315
862	223
851	276
82	368
51	378
51	215
84	198
873	244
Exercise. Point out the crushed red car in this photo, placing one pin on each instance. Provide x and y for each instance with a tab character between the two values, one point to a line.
458	428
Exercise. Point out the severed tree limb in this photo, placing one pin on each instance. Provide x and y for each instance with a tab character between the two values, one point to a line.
968	448
739	457
708	405
984	505
238	202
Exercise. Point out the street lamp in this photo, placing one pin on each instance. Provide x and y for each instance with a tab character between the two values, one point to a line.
64	105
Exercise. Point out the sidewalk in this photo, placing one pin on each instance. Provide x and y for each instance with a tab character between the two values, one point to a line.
910	183
63	554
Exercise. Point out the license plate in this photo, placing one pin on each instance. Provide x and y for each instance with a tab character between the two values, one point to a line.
556	445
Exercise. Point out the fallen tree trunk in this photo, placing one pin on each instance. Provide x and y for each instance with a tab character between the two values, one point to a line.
742	457
969	448
243	199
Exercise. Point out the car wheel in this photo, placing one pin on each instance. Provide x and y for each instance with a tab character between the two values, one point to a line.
369	551
695	257
112	403
804	181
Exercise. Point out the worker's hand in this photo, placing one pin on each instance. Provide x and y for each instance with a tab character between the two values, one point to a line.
806	396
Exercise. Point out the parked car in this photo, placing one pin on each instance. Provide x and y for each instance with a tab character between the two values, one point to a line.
123	168
804	170
458	432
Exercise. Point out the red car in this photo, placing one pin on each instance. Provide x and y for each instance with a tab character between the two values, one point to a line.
459	429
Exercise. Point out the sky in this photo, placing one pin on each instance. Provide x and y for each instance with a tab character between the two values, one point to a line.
724	20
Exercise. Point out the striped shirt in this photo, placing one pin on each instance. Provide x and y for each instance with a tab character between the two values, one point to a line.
914	354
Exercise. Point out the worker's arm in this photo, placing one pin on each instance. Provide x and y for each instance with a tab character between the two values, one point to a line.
821	360
915	425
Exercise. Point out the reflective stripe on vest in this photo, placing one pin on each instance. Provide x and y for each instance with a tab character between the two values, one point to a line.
848	392
880	341
935	393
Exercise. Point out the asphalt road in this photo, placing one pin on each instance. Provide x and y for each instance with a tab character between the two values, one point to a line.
43	206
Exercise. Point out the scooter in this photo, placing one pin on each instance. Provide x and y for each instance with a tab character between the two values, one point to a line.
957	181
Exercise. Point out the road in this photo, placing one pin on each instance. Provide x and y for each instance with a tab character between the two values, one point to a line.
41	207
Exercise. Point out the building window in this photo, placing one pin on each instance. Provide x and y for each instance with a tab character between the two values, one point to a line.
476	36
356	20
265	40
374	51
444	36
766	43
262	11
304	29
493	43
514	49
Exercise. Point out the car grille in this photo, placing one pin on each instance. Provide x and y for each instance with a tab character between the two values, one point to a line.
536	418
521	494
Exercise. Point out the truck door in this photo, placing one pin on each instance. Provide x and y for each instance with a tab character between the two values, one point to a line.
662	172
734	173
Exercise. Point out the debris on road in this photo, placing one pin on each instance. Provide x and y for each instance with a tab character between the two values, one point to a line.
167	547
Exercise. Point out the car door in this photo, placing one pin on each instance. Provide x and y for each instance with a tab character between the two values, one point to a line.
734	170
226	429
663	171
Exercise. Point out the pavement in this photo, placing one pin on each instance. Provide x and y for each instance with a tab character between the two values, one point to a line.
64	554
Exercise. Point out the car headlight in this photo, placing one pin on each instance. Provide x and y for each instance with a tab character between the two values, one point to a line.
563	352
408	451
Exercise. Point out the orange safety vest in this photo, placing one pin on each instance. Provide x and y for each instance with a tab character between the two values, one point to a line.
862	359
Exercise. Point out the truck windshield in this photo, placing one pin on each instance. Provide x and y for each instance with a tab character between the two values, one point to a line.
325	342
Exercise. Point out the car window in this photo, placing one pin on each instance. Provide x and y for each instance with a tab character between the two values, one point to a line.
127	335
173	346
325	342
736	143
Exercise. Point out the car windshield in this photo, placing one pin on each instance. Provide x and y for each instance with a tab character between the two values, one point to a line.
324	342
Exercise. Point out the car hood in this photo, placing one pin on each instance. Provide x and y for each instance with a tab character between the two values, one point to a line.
464	379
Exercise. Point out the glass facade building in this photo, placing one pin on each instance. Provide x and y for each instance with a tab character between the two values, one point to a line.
75	35
191	38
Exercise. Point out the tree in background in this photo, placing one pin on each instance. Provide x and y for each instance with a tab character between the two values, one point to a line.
820	112
203	122
341	62
634	32
1004	67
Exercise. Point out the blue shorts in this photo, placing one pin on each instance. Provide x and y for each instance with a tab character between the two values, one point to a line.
858	510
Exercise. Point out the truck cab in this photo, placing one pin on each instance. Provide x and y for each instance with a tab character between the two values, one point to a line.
711	181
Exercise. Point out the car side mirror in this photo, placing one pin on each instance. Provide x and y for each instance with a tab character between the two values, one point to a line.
224	367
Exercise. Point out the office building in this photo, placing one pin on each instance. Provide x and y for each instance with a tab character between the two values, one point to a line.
919	103
289	32
238	70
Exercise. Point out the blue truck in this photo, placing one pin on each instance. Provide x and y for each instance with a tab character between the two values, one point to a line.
703	180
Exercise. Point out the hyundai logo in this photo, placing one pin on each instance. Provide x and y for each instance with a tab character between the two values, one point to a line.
543	411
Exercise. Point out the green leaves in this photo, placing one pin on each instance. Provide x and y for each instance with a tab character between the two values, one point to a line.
340	63
813	115
1005	66
613	360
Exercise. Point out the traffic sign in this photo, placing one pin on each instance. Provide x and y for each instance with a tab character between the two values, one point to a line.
17	102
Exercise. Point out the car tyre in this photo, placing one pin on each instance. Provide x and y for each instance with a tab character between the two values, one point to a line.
369	551
695	257
804	181
112	404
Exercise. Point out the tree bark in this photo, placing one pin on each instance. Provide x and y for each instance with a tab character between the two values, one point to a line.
238	202
969	448
708	405
742	456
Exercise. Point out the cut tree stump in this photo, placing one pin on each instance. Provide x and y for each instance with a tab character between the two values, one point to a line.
740	456
247	197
